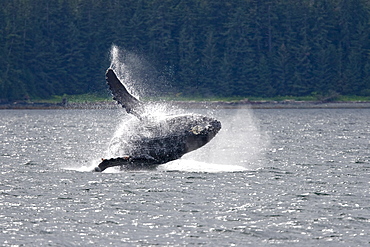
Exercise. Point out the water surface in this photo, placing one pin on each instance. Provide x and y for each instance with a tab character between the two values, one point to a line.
271	177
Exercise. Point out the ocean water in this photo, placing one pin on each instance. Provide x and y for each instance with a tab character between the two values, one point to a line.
270	178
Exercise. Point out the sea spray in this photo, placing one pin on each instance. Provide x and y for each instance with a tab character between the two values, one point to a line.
240	141
240	145
122	70
138	75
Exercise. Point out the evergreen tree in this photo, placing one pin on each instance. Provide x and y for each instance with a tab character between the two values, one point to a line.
207	48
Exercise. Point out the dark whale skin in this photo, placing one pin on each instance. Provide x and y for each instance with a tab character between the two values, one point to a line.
166	139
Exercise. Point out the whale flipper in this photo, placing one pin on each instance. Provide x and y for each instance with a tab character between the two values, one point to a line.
129	163
122	96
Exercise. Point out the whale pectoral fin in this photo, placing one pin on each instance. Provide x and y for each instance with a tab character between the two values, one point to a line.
121	95
106	163
143	158
129	163
141	162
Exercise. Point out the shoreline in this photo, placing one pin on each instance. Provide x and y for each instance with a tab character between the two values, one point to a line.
287	104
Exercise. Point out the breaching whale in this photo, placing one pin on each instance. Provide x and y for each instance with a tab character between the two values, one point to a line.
155	142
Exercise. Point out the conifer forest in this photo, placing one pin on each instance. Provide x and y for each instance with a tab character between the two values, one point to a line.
205	48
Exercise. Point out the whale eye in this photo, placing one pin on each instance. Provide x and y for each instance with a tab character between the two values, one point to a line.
197	129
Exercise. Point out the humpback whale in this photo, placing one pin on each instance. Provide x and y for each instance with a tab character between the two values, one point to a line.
152	142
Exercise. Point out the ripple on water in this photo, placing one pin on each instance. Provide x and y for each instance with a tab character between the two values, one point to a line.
306	189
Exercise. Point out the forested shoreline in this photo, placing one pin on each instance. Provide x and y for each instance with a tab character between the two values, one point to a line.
201	47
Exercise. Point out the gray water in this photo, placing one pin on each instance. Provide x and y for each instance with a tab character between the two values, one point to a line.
271	177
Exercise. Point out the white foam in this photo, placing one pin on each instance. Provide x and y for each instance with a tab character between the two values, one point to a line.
85	168
199	166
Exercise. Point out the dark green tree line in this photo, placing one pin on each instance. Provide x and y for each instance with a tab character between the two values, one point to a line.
204	47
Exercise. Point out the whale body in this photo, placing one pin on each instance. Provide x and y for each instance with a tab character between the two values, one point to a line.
151	142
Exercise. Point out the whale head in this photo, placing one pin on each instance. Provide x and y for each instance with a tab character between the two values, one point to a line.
198	130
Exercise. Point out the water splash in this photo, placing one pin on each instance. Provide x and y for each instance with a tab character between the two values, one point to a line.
123	72
238	147
114	56
136	73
